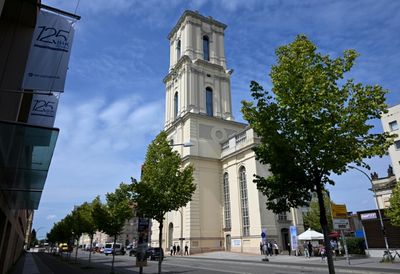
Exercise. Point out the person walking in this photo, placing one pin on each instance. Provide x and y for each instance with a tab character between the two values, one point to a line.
269	247
174	249
178	248
310	248
276	248
171	249
289	249
186	250
306	253
322	252
262	248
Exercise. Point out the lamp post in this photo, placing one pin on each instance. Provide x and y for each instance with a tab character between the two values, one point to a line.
377	205
188	144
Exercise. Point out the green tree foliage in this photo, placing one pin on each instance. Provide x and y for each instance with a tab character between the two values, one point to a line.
314	124
165	185
393	212
312	219
110	217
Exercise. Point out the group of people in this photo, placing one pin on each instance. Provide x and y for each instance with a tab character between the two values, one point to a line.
269	248
309	249
175	249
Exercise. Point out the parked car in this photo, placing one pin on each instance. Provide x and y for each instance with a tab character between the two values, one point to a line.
156	253
117	249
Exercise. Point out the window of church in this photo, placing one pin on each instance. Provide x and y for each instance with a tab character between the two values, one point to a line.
178	50
227	205
244	202
176	109
209	101
282	216
206	48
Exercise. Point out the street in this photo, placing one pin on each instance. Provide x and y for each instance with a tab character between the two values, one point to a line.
197	265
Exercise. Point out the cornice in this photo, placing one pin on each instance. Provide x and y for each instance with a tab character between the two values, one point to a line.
196	15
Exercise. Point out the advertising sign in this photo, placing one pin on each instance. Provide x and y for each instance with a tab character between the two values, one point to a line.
48	58
143	231
293	238
339	211
341	224
43	110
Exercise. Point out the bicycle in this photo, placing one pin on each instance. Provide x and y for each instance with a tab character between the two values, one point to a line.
388	255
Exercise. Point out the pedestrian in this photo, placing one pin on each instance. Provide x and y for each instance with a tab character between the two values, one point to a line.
288	248
262	248
174	249
171	249
322	252
306	253
310	248
186	250
178	248
269	247
276	248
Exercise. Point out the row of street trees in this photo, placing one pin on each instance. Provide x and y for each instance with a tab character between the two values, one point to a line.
164	186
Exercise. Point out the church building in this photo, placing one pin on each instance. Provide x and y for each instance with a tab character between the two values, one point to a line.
226	212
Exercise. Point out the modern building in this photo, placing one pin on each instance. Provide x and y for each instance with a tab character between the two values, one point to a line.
391	123
227	212
26	147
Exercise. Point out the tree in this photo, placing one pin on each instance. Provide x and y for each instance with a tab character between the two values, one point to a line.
110	217
165	185
33	239
311	218
393	212
89	225
313	124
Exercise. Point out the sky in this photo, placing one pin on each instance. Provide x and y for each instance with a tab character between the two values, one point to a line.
113	103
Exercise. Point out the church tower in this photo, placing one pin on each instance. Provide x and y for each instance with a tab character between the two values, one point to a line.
226	212
199	110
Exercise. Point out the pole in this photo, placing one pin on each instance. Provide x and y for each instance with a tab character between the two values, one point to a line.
377	205
181	249
346	252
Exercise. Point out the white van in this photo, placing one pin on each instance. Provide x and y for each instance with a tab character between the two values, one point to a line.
118	249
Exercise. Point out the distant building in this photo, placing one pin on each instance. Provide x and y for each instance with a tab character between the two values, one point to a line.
227	212
391	123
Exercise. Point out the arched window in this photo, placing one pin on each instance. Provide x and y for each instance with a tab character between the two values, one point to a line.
209	101
178	50
176	105
206	48
227	202
244	202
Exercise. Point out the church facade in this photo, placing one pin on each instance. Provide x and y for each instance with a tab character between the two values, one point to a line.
226	212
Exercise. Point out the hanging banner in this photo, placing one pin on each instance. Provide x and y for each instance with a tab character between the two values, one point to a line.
293	238
43	110
48	58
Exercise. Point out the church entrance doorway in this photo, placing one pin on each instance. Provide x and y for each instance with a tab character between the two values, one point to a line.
170	234
285	238
228	242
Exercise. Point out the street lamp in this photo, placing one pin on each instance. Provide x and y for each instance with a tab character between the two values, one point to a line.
188	144
377	205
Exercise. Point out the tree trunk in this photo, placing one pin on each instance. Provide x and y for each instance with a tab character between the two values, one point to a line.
91	247
324	225
160	245
113	254
76	251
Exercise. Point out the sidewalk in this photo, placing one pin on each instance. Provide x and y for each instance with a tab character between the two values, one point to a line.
358	264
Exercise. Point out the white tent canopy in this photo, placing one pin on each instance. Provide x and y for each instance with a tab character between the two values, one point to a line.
310	235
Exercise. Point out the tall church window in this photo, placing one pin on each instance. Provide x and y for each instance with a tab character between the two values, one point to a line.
244	202
176	105
178	50
227	204
206	48
209	101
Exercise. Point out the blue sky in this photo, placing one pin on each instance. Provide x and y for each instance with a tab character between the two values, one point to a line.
113	104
